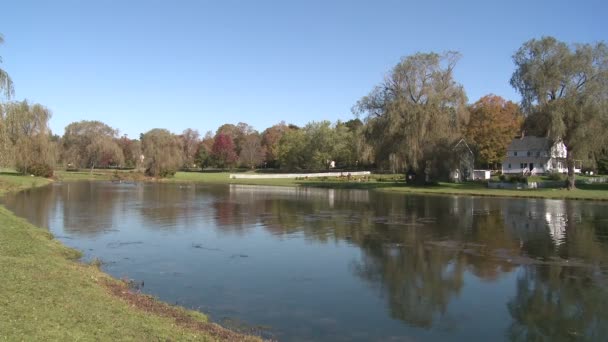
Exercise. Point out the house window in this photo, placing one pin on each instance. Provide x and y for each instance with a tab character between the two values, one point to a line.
515	153
538	153
528	153
509	166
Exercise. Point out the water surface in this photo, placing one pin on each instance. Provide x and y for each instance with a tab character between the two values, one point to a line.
340	265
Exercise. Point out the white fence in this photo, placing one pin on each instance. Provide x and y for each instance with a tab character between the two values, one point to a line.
298	175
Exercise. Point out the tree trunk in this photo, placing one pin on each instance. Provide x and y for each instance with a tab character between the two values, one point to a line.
570	182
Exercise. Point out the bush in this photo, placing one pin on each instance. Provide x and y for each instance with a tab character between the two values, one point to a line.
556	176
39	170
518	179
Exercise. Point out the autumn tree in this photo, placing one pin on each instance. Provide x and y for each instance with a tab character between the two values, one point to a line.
237	134
565	92
6	84
252	151
418	107
493	124
270	141
162	153
223	151
91	144
189	140
131	150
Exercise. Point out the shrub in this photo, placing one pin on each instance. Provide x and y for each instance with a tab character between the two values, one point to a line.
39	170
518	179
556	176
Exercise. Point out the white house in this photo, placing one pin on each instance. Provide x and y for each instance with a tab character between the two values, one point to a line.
534	155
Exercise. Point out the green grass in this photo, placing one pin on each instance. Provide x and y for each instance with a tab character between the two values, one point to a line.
393	183
12	181
45	294
583	192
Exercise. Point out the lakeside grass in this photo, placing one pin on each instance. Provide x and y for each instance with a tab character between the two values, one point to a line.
392	183
45	294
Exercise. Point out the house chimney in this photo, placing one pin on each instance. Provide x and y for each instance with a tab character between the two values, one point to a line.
523	134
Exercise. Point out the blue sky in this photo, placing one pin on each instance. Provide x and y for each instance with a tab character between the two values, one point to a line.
138	65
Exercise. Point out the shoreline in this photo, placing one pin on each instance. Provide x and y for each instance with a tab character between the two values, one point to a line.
386	183
47	293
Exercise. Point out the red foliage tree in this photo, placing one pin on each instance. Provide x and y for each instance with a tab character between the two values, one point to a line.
223	151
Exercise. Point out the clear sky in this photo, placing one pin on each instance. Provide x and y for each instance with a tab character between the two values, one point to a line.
137	65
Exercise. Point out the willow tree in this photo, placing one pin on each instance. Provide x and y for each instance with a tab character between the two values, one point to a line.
162	153
564	92
6	87
417	108
6	84
26	131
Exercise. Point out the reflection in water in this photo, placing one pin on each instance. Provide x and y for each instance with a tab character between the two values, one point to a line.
347	264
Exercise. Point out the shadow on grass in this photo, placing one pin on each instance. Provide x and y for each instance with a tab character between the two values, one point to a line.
596	186
10	173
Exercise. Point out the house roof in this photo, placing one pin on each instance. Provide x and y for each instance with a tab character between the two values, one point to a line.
529	143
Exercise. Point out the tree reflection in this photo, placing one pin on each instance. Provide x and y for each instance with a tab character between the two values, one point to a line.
418	281
558	303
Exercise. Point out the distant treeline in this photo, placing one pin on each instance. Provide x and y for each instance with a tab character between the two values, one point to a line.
409	122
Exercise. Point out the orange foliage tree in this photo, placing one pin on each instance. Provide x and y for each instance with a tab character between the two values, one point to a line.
493	123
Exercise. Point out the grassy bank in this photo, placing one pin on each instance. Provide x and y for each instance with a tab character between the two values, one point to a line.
46	295
393	183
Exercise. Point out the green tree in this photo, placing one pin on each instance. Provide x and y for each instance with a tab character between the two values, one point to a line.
418	106
162	153
493	124
292	149
565	93
6	84
202	158
27	137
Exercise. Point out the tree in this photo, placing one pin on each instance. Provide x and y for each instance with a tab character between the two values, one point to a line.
202	158
493	124
131	150
270	141
26	133
565	91
223	151
91	144
189	140
292	149
6	84
162	153
252	151
418	106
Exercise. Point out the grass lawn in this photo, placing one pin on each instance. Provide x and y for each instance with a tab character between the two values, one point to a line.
45	295
393	183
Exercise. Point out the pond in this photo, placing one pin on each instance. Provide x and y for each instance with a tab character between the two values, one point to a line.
303	264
